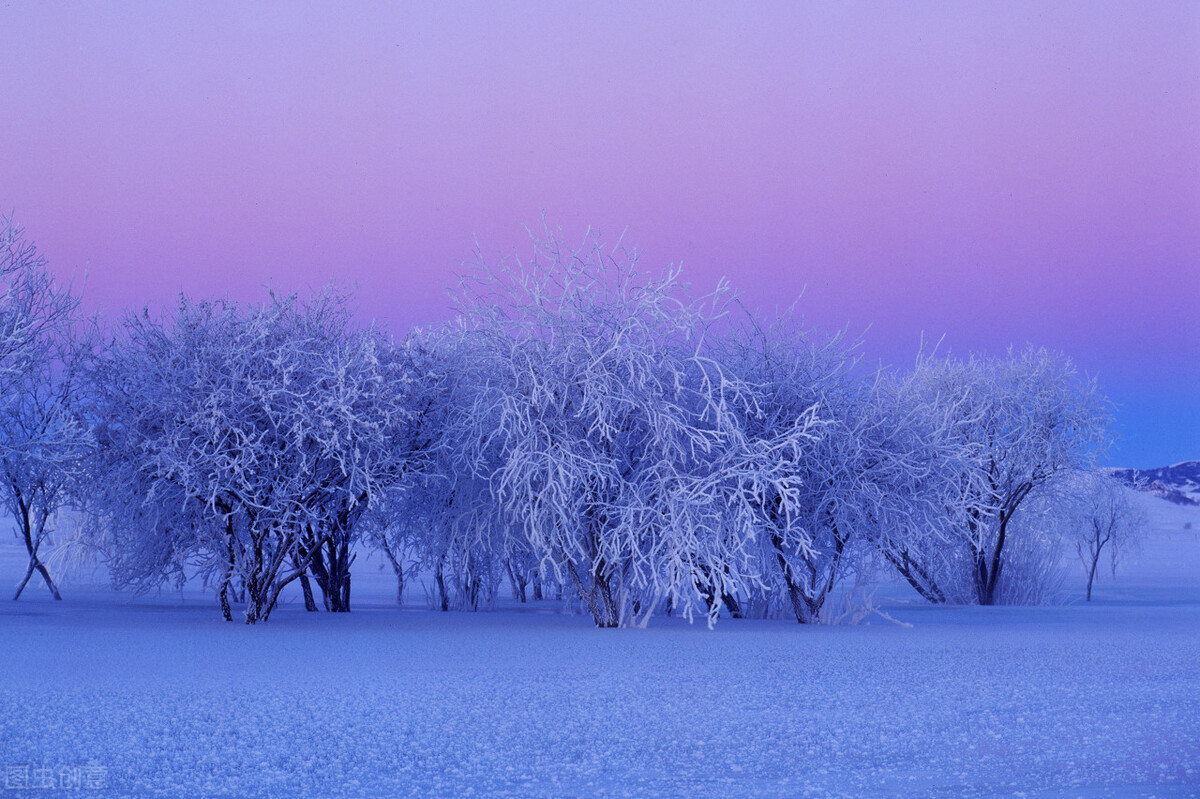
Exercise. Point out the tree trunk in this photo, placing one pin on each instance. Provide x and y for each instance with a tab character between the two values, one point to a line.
707	594
439	576
472	586
310	603
988	595
987	574
223	594
32	548
512	577
795	596
398	568
320	572
598	597
256	609
40	568
981	579
612	617
915	576
330	567
1092	575
24	580
1095	547
520	583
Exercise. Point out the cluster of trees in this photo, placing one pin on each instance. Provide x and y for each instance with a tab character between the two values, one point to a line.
583	428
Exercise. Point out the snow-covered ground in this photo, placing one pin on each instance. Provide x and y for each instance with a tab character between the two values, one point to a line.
156	696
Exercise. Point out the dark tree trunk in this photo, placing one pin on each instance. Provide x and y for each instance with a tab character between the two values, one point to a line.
330	567
255	603
223	595
512	578
310	603
223	591
708	592
988	566
917	577
611	612
439	576
40	568
519	580
795	595
472	588
1095	547
987	574
32	546
598	596
24	580
398	568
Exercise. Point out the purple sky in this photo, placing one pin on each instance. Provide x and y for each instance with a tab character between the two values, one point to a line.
995	173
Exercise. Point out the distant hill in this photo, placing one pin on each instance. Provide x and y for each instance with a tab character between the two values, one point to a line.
1179	483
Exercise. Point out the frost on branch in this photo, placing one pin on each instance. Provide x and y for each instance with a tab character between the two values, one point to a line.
1024	421
1088	513
43	435
787	476
582	425
443	514
246	442
867	468
596	425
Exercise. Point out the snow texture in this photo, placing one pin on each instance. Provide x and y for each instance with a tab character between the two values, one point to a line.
156	696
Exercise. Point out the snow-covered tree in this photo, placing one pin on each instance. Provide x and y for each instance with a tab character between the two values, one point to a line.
1028	420
43	439
1091	513
879	473
31	306
1110	520
247	442
934	486
791	478
601	416
444	513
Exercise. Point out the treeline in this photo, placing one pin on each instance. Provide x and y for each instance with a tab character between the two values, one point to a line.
582	428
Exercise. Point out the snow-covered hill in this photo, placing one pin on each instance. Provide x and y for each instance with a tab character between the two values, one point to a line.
1178	483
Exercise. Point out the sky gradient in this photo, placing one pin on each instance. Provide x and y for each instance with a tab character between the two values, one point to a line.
992	173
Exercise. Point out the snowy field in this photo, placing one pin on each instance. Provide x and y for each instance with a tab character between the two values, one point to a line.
105	694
